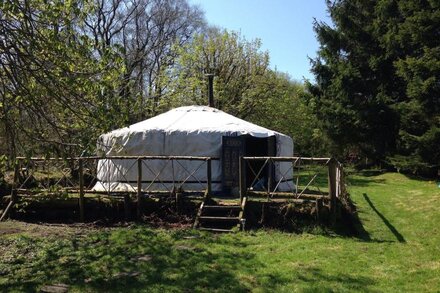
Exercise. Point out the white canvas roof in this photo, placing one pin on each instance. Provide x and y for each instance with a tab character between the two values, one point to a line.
188	119
184	131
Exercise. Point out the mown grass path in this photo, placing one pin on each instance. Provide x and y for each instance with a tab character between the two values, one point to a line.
399	252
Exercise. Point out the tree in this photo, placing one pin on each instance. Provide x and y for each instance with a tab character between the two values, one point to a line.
416	36
72	70
238	65
285	110
146	31
51	84
377	79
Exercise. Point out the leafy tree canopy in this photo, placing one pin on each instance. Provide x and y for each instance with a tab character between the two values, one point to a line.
238	65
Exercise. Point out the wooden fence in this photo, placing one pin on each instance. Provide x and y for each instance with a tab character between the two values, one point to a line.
303	191
78	175
67	175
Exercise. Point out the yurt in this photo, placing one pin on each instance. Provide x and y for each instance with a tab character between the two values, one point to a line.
190	131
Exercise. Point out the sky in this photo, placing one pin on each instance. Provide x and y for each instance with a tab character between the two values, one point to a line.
285	28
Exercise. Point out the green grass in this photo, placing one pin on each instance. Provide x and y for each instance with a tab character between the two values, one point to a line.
306	174
399	252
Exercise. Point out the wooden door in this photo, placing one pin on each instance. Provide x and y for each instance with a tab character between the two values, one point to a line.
233	148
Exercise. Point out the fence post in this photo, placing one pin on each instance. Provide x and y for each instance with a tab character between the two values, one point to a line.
242	179
14	197
139	189
318	206
15	182
332	186
127	207
81	190
209	175
270	176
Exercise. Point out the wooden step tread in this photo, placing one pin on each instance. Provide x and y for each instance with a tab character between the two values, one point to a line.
215	230
219	218
222	207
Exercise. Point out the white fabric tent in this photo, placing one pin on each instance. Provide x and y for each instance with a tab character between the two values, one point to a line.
184	131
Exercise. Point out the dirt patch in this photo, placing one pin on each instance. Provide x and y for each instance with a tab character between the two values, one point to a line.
163	211
61	216
286	216
9	230
12	227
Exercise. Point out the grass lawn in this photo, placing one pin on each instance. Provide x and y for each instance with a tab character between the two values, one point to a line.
400	252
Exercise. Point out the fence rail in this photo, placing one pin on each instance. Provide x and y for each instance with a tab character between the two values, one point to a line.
65	173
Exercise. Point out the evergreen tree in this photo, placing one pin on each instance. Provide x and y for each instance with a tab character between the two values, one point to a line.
377	79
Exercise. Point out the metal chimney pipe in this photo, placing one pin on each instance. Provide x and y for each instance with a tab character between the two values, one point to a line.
210	90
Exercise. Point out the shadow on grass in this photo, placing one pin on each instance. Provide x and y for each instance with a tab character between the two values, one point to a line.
421	178
364	182
133	260
145	260
323	282
371	172
351	226
387	223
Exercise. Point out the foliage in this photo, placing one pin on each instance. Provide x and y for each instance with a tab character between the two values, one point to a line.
398	252
285	110
244	86
72	70
239	66
377	78
53	87
147	32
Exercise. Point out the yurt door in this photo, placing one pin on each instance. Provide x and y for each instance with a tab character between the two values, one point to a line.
233	148
260	147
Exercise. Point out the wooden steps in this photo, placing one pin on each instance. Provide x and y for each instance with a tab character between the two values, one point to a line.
215	230
222	207
220	216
